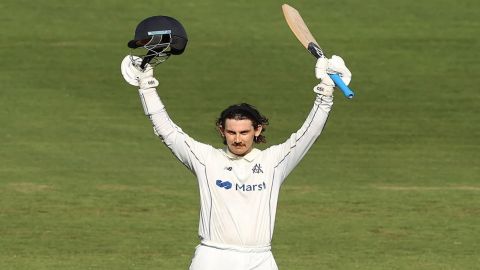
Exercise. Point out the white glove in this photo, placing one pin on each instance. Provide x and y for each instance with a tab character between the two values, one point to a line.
325	66
325	87
135	76
337	65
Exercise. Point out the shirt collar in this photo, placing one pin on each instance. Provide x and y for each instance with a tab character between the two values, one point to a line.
248	157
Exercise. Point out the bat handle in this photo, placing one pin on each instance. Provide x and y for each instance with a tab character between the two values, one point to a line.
347	92
316	51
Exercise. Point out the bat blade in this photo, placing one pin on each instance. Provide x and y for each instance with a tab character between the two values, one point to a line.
298	26
303	34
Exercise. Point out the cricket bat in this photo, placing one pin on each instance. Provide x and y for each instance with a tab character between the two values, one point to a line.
300	29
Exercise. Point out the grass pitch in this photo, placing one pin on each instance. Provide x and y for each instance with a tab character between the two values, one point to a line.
392	183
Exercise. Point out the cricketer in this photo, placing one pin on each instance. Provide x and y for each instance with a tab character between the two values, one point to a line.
239	184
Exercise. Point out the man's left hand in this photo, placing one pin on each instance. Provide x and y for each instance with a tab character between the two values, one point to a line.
325	66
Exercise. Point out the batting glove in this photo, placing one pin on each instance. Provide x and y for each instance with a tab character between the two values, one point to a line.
325	66
144	79
337	65
134	75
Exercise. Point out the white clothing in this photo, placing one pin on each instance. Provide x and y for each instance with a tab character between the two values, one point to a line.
211	258
239	195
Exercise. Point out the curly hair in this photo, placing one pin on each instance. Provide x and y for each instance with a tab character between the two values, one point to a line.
244	111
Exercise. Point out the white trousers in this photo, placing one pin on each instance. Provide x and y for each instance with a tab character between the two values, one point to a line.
210	258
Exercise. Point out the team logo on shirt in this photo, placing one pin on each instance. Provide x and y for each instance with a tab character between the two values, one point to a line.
257	168
241	187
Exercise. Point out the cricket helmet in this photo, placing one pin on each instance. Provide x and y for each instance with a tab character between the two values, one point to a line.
160	37
160	32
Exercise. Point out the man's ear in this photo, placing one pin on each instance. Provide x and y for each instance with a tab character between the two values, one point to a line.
221	130
258	130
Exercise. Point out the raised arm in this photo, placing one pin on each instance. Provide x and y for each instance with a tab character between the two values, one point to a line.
290	153
187	150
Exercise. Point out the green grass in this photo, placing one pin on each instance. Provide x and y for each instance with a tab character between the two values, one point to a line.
393	182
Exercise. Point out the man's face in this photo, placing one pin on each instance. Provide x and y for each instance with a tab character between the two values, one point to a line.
239	135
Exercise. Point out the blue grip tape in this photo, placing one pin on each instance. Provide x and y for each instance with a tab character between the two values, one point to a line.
347	92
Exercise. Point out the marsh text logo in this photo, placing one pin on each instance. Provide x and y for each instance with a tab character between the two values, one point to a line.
241	187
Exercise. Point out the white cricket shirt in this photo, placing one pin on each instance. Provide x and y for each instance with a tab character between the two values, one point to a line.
239	195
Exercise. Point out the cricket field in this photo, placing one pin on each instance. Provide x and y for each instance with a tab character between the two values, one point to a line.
393	183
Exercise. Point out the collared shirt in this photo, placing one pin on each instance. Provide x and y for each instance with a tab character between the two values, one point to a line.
239	194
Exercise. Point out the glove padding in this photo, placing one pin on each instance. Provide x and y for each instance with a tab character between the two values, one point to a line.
135	76
325	66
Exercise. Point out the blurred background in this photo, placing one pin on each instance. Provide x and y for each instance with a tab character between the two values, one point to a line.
392	183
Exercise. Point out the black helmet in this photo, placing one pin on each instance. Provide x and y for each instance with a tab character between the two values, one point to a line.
160	30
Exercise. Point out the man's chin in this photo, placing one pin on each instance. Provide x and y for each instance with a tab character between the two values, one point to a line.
239	151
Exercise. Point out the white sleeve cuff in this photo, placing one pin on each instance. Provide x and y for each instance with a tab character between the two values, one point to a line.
150	101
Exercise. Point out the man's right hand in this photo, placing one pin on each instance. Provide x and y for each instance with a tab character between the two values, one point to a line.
134	75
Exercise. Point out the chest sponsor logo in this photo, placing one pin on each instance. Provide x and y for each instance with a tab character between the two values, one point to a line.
241	187
255	187
224	184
